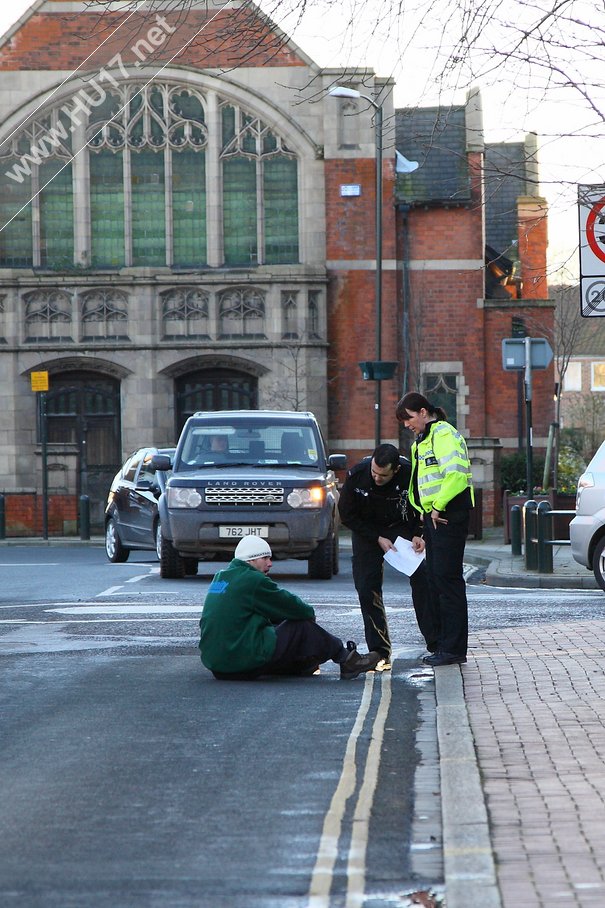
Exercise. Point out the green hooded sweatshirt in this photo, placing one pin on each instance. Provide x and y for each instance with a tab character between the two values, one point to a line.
240	610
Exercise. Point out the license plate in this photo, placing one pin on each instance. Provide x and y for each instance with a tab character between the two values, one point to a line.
234	532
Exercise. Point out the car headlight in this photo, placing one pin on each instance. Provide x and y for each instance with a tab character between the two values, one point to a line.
306	498
183	498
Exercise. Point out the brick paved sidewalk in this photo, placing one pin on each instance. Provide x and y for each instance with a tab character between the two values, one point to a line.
536	704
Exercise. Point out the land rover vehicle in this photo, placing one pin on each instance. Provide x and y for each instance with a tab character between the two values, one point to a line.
131	515
587	529
250	471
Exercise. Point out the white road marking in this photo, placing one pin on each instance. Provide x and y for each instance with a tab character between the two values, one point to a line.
116	609
30	564
110	591
23	621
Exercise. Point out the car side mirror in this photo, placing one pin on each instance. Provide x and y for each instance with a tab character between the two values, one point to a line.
161	462
337	461
145	485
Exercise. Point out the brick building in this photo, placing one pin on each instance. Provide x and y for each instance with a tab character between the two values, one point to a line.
189	223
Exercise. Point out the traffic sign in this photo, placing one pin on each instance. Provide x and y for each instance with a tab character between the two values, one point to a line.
513	353
591	213
591	210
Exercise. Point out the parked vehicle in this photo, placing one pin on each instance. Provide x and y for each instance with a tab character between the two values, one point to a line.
250	471
131	517
587	529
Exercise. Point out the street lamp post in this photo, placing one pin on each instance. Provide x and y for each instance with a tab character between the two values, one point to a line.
342	91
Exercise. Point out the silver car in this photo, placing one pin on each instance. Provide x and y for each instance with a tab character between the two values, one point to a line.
587	529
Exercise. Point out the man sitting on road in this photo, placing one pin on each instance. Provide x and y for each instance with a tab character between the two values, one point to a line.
251	627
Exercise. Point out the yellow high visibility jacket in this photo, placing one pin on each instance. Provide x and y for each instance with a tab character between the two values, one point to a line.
442	468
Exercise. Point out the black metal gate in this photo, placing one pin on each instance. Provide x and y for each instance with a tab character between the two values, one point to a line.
83	413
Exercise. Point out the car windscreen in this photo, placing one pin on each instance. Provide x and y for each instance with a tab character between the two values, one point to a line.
250	442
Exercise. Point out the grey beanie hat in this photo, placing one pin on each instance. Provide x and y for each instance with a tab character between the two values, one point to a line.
251	547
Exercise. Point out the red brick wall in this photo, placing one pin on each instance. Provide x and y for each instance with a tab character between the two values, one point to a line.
24	513
351	235
446	324
533	240
58	41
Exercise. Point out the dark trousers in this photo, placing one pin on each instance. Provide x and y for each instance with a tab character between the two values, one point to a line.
444	560
368	571
302	646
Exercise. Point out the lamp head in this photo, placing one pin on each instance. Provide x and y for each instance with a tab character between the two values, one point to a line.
341	91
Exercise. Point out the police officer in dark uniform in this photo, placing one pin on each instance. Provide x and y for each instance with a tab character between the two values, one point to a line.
373	505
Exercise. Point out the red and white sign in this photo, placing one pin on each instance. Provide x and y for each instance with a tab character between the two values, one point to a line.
591	211
591	203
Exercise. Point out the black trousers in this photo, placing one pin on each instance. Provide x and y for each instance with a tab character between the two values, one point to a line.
445	560
302	646
368	573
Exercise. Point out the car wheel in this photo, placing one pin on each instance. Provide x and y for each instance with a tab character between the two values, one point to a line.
158	540
114	549
191	566
172	566
321	561
598	563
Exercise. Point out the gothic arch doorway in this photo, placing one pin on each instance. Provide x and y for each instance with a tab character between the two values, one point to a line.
214	389
83	421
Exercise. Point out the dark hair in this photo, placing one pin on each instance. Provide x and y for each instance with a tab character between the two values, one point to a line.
414	402
386	456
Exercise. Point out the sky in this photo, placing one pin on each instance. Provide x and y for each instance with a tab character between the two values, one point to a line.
416	45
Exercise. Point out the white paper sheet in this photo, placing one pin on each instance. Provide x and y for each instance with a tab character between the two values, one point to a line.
405	559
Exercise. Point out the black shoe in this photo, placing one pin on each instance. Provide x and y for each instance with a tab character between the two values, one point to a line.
442	658
355	664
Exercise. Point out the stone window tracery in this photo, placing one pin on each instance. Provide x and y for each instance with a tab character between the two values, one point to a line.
48	316
241	313
289	306
104	315
185	314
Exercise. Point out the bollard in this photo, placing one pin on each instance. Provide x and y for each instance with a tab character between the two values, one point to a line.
2	517
515	529
84	517
544	534
529	523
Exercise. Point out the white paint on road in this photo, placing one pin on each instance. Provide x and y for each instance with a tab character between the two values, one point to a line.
116	609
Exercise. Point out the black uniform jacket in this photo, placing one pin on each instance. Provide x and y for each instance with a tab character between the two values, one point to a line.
372	511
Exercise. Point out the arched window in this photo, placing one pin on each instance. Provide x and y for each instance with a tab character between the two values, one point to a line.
37	204
260	173
141	152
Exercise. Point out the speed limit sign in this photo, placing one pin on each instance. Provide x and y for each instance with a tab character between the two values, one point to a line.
591	210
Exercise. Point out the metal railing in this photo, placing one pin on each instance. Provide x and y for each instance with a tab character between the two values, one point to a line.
537	528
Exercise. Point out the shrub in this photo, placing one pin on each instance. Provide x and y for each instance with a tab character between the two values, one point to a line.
513	470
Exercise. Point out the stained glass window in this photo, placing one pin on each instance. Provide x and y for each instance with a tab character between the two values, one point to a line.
56	215
281	210
16	223
107	210
189	208
148	208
